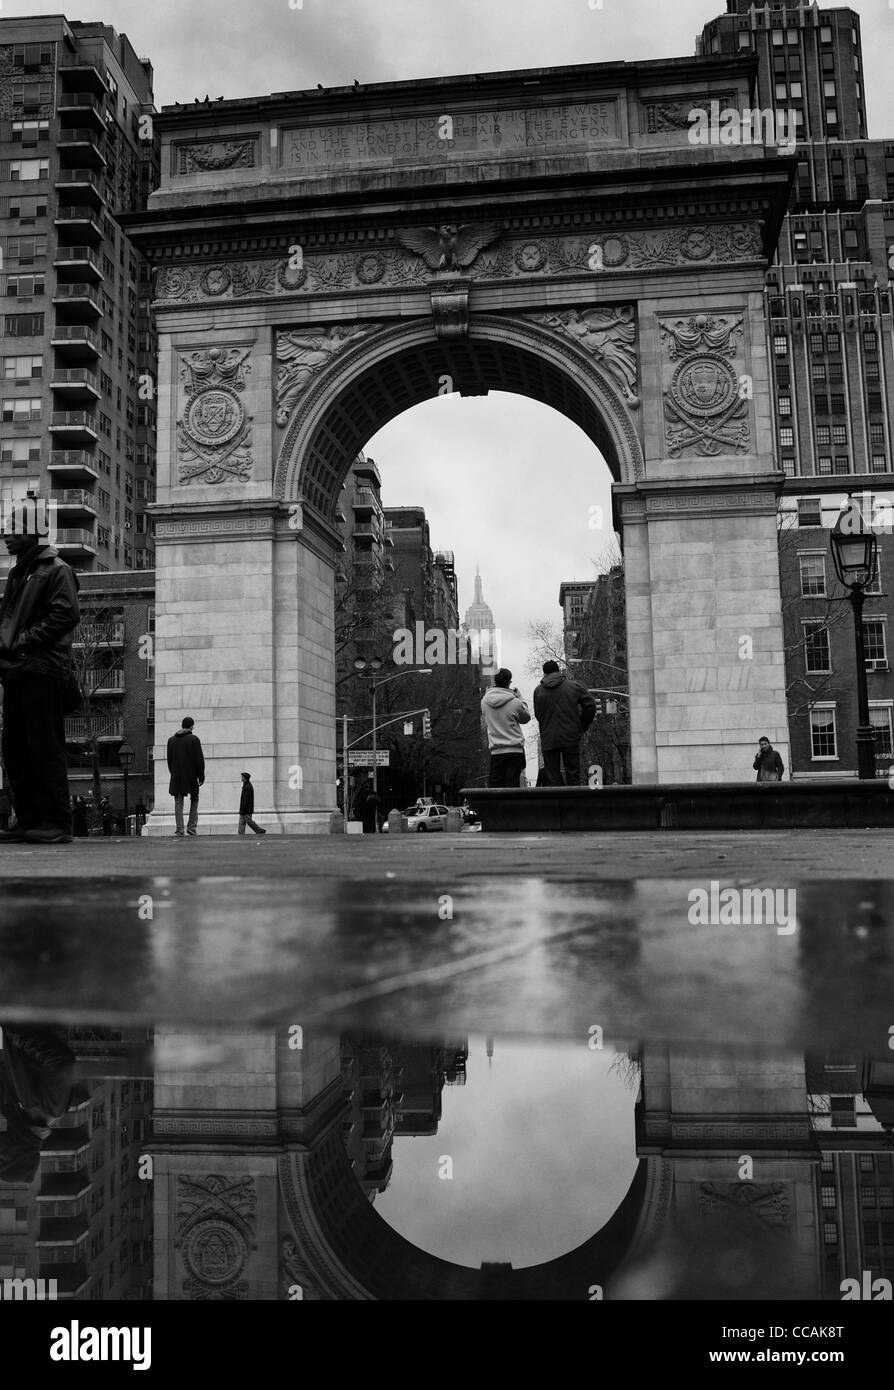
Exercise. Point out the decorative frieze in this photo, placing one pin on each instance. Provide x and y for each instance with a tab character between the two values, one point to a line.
768	1202
213	155
664	114
401	266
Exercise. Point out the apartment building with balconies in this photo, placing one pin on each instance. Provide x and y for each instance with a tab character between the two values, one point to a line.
77	347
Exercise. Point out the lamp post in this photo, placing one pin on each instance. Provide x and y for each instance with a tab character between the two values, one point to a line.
126	757
855	557
375	664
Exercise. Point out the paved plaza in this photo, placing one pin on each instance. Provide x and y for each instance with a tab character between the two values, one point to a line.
528	934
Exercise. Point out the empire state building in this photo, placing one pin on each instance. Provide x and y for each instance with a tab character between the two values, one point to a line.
481	629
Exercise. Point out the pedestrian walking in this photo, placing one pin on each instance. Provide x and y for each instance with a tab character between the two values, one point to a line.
768	764
247	807
564	710
369	808
38	614
140	812
107	814
504	711
186	764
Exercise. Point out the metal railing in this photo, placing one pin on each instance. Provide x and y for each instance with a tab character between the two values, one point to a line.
70	419
80	728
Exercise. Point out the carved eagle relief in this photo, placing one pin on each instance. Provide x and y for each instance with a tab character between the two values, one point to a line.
449	247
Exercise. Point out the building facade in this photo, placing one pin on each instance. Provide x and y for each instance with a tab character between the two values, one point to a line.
829	305
77	148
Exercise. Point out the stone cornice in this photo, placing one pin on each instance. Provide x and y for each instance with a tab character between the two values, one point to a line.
658	499
251	519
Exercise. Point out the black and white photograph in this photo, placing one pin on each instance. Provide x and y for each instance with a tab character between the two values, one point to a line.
447	728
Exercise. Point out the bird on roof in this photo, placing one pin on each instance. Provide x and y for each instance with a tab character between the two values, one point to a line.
356	82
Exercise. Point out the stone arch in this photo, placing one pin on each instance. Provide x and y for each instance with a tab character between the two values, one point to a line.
349	1251
397	367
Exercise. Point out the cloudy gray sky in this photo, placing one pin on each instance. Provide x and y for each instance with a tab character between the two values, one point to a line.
506	482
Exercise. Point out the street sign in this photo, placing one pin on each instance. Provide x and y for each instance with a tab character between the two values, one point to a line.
362	757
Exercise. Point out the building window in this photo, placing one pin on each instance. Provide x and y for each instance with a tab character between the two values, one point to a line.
867	1195
885	1197
23	170
875	646
23	325
824	465
832	117
20	452
25	286
816	343
829	87
870	340
22	368
825	33
817	657
823	434
780	344
879	464
786	436
839	432
827	1196
876	434
818	371
842	463
833	342
788	467
813	575
809	511
830	1233
785	405
880	723
19	409
823	742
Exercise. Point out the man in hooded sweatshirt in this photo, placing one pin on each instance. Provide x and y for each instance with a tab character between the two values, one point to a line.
564	710
38	614
186	764
504	710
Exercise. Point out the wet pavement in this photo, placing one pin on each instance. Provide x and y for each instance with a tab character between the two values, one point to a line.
539	935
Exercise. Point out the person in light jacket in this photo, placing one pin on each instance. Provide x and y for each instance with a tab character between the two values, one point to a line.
504	711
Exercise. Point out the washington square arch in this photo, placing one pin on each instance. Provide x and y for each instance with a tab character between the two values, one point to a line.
326	260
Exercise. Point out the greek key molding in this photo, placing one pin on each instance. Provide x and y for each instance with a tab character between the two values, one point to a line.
220	1128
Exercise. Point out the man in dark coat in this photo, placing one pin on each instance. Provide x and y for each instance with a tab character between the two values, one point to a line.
369	809
186	764
768	764
247	807
564	710
38	614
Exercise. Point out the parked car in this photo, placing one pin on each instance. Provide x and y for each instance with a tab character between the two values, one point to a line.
430	817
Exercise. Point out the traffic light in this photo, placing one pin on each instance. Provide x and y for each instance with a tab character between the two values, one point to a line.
426	725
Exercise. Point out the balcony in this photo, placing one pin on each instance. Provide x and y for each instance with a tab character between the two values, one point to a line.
82	182
83	106
66	1143
76	543
80	218
99	635
82	74
64	1187
81	260
367	531
63	1230
79	299
70	500
71	1279
104	728
75	465
366	500
104	682
75	384
74	425
76	339
84	144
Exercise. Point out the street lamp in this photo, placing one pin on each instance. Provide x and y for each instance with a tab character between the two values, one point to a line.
126	757
375	664
855	557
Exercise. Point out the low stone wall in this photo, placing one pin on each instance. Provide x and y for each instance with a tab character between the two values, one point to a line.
716	806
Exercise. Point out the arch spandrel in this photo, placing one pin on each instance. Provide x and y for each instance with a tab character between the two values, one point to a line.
391	368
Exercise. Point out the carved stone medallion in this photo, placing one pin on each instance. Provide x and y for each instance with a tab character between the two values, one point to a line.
215	431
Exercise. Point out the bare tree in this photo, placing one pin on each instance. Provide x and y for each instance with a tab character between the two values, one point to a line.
98	653
827	613
549	645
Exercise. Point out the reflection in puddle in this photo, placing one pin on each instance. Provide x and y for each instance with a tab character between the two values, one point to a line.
286	1163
